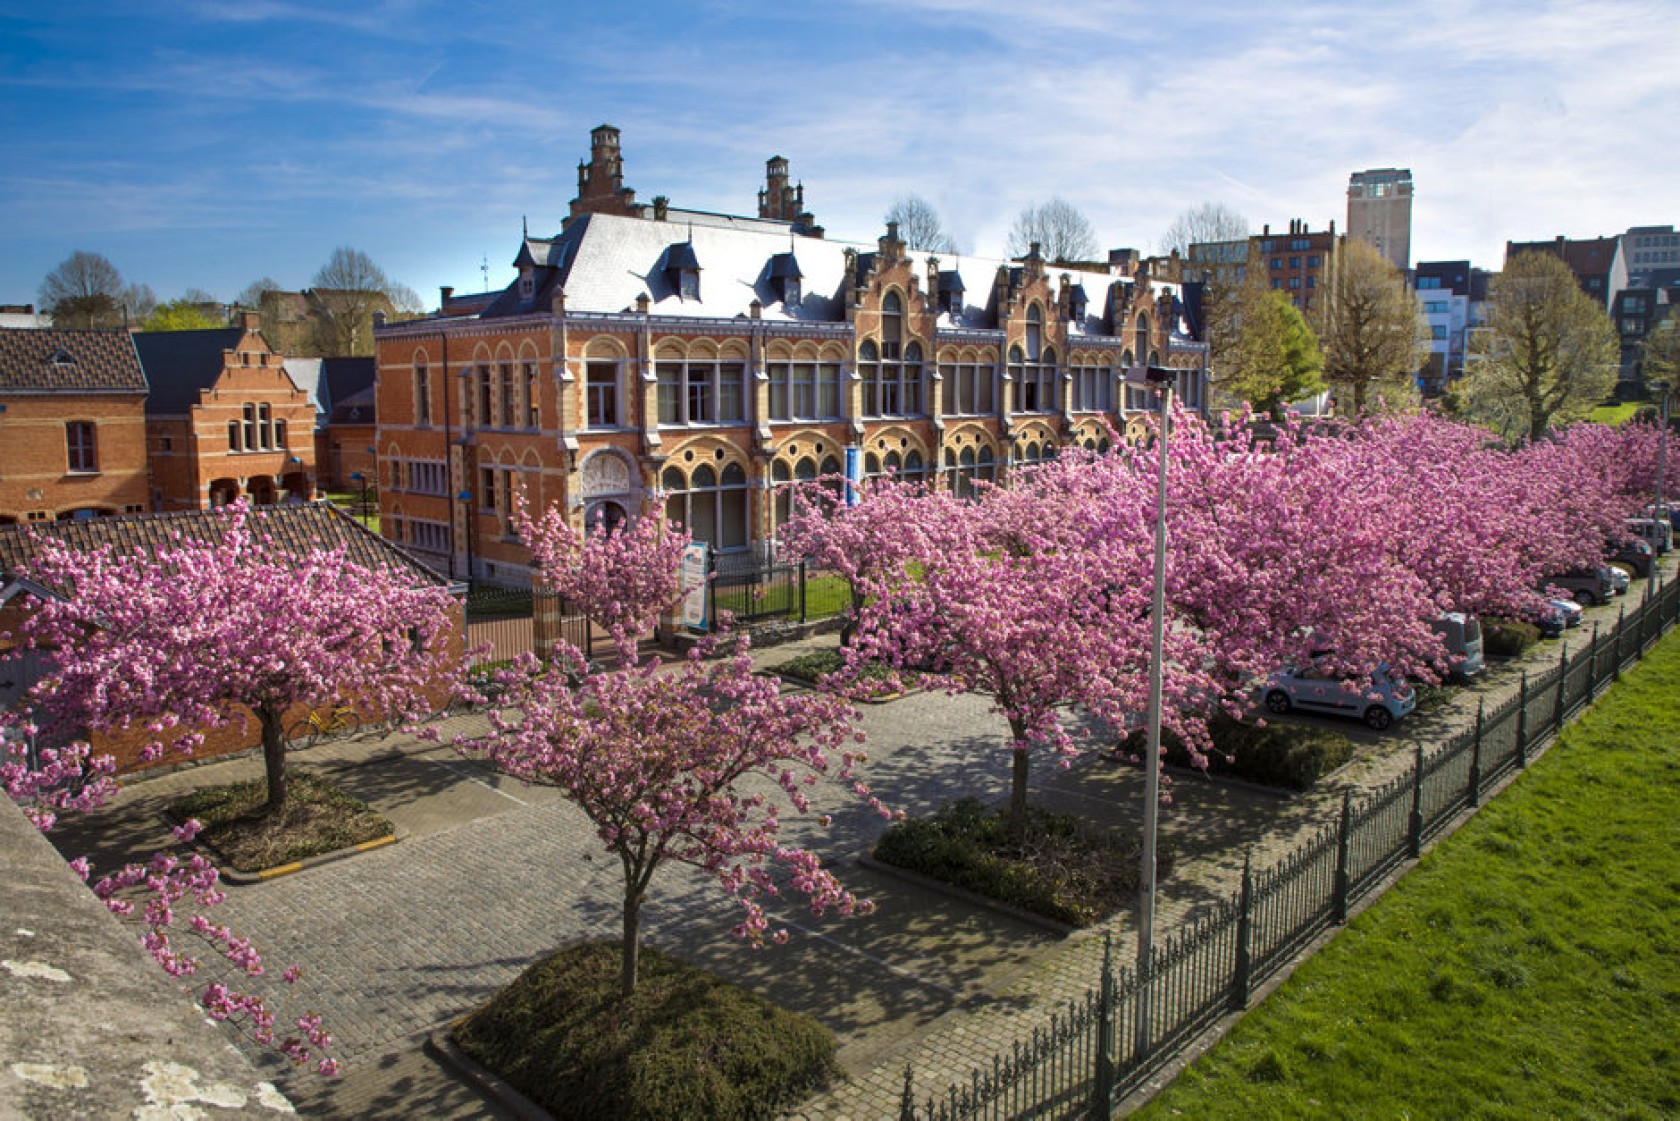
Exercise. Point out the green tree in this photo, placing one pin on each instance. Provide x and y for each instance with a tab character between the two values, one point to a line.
1547	356
184	314
1262	350
1373	331
1659	358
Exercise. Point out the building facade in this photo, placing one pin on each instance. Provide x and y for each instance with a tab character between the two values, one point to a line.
1647	249
1597	262
1454	298
72	425
708	362
1379	212
224	420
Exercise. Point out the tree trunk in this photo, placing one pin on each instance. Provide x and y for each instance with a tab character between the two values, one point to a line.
274	758
631	945
1018	792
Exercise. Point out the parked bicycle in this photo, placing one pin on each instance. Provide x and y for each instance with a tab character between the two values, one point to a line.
324	724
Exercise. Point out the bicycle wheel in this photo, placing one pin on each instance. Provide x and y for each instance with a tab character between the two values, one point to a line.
301	734
348	722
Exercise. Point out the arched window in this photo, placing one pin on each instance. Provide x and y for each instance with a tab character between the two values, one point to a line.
892	375
713	507
915	471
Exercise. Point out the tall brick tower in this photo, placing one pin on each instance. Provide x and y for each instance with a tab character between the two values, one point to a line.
601	188
784	203
1379	212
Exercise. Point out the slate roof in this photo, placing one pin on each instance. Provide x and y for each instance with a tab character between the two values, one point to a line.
293	529
306	375
180	364
48	360
342	379
604	262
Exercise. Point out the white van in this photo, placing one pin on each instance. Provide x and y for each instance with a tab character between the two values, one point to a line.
1658	534
1462	636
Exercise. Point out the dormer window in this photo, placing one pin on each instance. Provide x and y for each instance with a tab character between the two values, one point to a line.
527	284
1076	303
785	278
951	293
682	269
63	358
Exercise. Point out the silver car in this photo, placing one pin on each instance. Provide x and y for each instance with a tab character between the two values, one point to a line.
1380	703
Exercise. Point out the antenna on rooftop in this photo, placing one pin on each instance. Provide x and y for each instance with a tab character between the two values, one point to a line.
484	267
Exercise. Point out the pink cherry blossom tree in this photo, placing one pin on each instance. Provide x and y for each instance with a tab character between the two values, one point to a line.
621	578
201	634
663	764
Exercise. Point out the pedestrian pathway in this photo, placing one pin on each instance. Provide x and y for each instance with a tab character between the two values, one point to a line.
489	875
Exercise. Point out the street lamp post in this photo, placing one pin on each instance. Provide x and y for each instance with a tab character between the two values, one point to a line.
1660	512
1161	378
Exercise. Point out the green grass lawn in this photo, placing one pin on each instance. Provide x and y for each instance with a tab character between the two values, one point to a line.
1528	967
1614	414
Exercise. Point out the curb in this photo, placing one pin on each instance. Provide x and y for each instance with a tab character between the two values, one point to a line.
442	1047
245	878
951	891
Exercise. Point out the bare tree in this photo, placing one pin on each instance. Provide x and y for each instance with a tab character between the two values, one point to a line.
348	289
1063	235
1547	356
251	298
919	225
1209	222
84	291
1373	331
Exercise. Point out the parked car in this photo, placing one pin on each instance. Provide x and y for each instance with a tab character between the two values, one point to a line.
1462	636
1619	579
1548	618
1572	611
1379	703
1658	534
1589	587
1636	554
1667	512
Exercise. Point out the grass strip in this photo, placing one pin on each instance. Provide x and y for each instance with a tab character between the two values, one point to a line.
1528	967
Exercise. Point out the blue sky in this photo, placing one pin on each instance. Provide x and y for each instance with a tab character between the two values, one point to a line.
208	144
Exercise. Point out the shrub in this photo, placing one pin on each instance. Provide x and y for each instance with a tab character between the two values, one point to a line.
1283	755
1064	869
1508	638
318	818
686	1043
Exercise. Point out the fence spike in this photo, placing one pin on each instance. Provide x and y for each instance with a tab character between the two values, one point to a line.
1475	783
907	1102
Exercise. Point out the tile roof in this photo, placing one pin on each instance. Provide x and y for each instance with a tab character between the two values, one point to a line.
342	379
180	364
294	529
48	360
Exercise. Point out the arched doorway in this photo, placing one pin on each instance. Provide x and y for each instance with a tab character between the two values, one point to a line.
223	492
604	515
610	490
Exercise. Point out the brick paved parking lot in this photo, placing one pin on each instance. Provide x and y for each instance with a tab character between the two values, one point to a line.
488	875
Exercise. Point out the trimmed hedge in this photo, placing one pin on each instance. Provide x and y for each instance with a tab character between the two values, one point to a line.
686	1043
1508	638
1064	869
1284	755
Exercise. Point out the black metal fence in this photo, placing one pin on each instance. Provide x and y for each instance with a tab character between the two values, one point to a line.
1096	1050
501	629
751	590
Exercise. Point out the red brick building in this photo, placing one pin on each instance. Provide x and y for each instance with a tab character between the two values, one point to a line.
72	425
714	360
296	530
224	419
